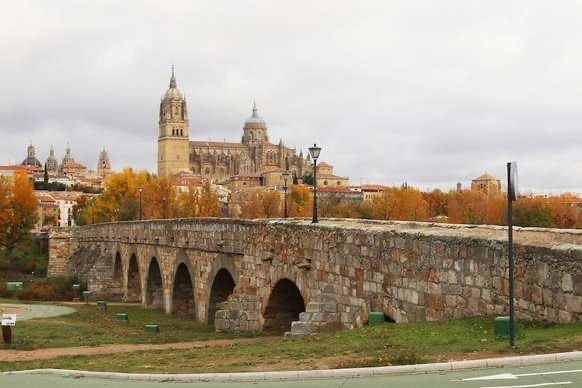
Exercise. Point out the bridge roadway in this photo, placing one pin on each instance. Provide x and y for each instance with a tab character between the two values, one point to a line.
291	275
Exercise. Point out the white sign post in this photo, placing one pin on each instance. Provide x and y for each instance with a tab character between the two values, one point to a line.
8	319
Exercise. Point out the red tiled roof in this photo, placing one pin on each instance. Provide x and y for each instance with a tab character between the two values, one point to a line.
373	187
334	189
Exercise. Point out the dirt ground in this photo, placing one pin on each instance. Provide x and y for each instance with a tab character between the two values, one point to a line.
45	354
13	310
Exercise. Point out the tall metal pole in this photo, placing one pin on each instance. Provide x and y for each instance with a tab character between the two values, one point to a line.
165	209
285	213
314	220
510	257
140	213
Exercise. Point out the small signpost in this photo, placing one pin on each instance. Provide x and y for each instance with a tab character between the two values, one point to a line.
8	320
511	196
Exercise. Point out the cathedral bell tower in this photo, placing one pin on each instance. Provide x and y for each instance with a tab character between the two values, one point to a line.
173	140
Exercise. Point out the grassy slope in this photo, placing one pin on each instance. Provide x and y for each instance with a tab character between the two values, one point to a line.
90	327
370	346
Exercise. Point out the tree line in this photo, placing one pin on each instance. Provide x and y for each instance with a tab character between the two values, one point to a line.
129	191
160	199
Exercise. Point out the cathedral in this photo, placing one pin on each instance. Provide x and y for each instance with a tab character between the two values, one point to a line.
255	160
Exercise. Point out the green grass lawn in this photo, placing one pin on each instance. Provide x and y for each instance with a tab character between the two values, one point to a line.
91	327
389	344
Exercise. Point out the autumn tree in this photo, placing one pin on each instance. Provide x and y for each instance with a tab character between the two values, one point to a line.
300	201
405	203
159	199
208	204
5	211
22	215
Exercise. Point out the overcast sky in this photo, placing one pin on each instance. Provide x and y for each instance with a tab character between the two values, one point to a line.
429	92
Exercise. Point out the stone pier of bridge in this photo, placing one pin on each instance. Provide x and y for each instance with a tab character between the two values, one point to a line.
293	276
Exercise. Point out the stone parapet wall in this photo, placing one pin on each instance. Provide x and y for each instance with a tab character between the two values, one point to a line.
410	271
59	252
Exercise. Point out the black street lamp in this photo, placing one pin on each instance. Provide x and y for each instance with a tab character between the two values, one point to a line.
165	208
140	190
314	152
285	176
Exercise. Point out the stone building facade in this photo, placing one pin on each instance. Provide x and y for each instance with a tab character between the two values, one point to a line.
220	161
487	184
103	164
303	278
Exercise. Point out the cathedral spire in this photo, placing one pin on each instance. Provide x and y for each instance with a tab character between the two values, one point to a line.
255	111
173	79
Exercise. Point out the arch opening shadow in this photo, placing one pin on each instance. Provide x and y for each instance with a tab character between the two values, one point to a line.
133	281
183	292
283	307
154	289
222	287
117	284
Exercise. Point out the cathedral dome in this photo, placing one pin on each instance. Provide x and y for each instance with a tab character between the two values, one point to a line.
173	94
255	119
31	162
31	159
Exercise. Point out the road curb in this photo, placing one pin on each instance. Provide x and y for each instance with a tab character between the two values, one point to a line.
317	374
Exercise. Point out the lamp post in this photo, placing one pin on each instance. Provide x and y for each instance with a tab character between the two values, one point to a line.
285	176
140	190
314	152
511	196
165	209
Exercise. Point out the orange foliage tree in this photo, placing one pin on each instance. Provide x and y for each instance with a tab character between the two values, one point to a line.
300	201
22	211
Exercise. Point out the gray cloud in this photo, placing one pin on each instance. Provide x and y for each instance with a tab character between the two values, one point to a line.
426	92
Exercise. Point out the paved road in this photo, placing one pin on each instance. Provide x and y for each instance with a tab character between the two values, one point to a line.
567	374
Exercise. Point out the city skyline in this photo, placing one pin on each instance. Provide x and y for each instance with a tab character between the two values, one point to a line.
391	96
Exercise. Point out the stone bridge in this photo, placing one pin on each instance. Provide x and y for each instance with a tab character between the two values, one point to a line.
291	275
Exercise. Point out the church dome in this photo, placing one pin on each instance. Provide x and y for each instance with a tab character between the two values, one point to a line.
255	119
173	94
31	161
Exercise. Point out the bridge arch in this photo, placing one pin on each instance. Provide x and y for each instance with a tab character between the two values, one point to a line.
223	285
284	305
133	287
154	285
117	276
183	296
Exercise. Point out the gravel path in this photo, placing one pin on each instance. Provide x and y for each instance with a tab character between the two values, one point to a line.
31	311
45	354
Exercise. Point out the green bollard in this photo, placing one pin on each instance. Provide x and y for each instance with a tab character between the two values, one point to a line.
102	305
76	290
86	296
152	328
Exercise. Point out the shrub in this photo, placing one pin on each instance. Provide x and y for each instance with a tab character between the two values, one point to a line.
48	289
